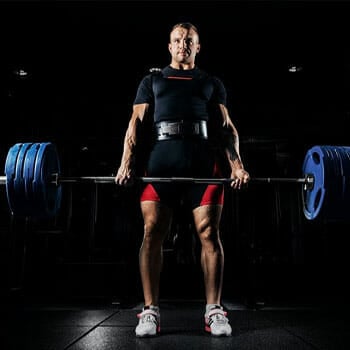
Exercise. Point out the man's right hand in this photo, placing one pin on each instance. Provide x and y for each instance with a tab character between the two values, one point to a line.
241	178
124	177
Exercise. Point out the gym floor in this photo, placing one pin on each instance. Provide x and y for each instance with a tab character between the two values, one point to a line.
111	326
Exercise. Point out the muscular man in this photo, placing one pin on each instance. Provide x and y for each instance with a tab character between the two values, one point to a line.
193	134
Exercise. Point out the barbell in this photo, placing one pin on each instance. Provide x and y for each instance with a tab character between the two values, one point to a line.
34	182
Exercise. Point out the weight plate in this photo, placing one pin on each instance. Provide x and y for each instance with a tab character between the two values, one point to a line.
334	185
325	199
45	192
10	172
29	164
343	202
313	198
19	200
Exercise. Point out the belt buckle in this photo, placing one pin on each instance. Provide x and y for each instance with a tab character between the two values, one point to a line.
172	129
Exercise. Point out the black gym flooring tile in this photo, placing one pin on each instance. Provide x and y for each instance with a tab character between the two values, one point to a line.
107	327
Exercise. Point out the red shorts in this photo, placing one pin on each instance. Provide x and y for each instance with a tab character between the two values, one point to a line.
196	194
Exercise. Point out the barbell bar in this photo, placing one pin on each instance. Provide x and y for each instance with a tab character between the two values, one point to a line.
33	181
57	179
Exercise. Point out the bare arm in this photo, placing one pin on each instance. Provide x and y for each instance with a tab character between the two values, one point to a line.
126	168
230	143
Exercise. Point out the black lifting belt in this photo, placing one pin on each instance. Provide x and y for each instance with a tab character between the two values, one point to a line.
167	130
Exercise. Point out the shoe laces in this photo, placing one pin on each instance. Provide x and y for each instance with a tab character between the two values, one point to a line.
219	318
217	315
148	316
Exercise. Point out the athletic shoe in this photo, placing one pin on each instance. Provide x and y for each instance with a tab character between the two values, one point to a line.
216	322
149	322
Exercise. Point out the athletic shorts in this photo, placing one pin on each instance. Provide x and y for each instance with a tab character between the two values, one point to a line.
183	158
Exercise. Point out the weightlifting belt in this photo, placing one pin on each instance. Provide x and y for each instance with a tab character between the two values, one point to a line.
167	130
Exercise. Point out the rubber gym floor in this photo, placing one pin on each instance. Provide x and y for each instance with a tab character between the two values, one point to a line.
107	326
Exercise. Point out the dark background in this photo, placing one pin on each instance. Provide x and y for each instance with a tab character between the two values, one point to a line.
84	60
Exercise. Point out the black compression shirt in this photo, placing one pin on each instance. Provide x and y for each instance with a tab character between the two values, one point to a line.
181	94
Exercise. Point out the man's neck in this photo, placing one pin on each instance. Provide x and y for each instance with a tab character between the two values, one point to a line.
182	66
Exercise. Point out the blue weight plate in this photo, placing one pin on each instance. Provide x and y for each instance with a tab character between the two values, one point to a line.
53	194
313	198
38	185
47	193
329	198
20	205
10	172
29	165
339	206
344	153
334	165
344	167
333	184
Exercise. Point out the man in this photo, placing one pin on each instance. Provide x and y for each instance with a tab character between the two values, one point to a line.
194	133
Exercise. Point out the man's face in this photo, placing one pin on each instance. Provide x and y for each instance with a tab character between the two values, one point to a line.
184	45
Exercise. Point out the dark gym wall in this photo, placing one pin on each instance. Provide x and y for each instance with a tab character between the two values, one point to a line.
84	60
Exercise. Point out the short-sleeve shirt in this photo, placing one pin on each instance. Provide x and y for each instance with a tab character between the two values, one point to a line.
181	94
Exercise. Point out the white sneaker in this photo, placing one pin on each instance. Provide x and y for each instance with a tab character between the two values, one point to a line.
149	323
216	322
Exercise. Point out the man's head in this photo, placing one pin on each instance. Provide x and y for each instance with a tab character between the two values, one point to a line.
184	45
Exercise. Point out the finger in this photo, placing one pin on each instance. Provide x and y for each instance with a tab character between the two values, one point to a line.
236	184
